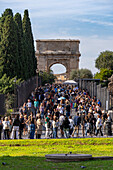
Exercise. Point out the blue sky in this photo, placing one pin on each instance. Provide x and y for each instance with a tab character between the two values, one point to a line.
90	21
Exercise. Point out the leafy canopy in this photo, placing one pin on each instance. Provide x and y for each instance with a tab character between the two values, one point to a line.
47	77
7	84
104	74
105	60
82	73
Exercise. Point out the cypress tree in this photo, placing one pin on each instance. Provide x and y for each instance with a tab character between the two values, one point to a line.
29	45
22	65
9	48
7	12
2	20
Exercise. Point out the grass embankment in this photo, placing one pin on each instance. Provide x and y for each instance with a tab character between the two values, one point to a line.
30	154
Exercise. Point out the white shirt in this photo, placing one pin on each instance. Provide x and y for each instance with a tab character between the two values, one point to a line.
61	119
54	124
29	104
71	123
95	115
98	122
4	124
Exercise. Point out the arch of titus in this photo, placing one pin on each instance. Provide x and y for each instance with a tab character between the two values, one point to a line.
65	52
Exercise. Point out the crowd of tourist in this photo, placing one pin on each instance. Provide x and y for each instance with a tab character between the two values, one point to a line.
57	111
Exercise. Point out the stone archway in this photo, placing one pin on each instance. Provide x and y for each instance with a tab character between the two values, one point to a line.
63	62
64	52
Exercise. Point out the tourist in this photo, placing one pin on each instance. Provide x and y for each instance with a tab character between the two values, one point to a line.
6	126
66	127
15	129
82	116
29	106
61	119
71	125
36	106
11	125
25	126
24	109
32	129
108	125
99	125
47	125
28	125
67	109
76	124
22	124
55	126
87	127
39	127
42	110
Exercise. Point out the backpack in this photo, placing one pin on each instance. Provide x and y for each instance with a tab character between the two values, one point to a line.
75	105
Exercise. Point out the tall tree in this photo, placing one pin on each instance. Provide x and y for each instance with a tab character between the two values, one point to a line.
7	12
2	20
21	60
29	45
9	48
105	60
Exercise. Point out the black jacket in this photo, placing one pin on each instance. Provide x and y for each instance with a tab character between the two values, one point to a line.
16	122
66	123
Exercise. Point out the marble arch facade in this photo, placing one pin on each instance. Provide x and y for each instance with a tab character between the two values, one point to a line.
65	52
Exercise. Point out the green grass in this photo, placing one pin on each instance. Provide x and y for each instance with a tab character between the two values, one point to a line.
30	154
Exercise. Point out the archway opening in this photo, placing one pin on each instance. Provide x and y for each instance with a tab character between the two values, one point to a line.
59	70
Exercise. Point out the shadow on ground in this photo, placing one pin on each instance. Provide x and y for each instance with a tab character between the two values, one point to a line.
34	162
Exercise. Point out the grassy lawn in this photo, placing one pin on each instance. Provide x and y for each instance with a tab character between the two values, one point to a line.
30	154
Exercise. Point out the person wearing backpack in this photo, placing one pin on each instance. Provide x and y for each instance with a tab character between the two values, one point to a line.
6	126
